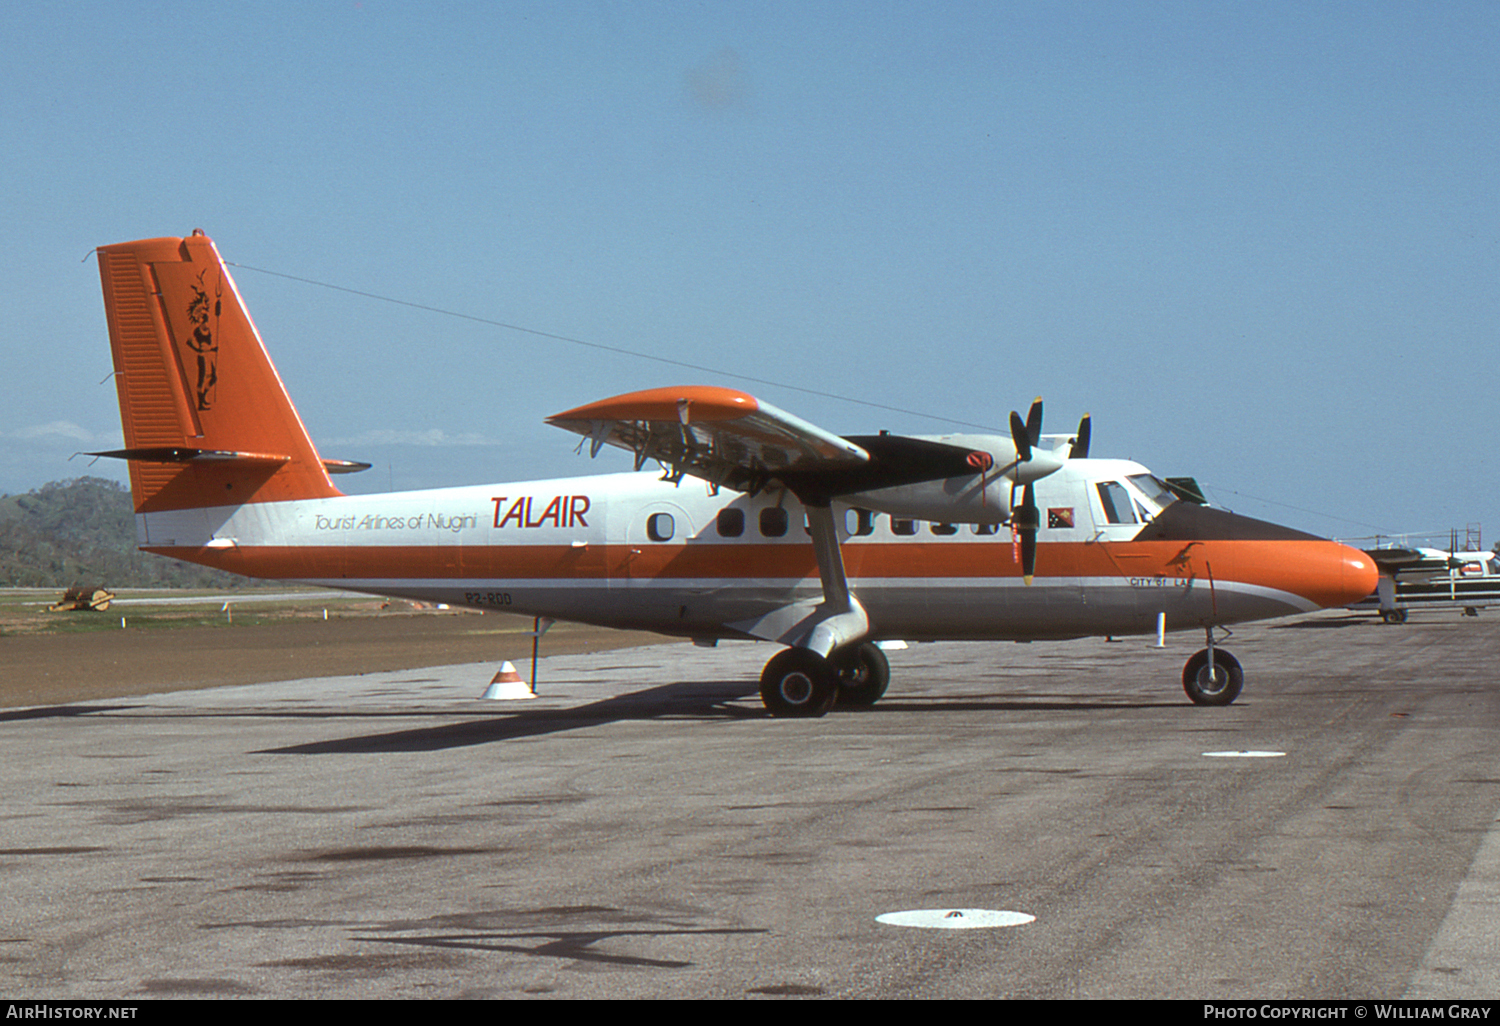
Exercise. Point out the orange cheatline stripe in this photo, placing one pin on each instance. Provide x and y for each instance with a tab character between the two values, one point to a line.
1323	572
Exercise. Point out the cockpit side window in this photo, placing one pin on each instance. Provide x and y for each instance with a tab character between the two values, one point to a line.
1118	509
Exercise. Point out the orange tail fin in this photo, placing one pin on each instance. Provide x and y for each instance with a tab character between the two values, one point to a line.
207	419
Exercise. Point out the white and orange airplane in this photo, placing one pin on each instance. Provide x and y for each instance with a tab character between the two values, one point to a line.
823	544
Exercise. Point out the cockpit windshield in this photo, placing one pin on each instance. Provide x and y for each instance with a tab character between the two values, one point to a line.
1154	490
1140	503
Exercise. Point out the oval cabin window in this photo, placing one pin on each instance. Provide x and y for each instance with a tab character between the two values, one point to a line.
660	526
731	522
773	522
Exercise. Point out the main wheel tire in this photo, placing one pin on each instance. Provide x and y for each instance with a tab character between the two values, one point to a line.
797	682
864	674
1216	685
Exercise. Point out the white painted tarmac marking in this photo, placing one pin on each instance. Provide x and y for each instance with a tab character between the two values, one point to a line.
1243	755
1464	959
955	918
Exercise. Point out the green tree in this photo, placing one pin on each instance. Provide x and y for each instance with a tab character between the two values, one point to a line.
82	532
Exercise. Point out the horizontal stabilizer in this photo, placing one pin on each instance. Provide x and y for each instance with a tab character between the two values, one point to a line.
176	454
171	454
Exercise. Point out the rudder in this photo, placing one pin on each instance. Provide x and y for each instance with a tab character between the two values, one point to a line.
207	419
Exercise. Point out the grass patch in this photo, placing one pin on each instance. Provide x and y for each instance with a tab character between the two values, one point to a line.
25	610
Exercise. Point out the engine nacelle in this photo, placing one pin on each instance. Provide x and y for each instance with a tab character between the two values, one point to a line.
982	497
954	500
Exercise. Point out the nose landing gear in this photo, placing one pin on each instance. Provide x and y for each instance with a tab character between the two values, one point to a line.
1212	677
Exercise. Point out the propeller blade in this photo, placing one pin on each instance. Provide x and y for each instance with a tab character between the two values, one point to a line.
1026	519
1020	435
1080	450
1034	422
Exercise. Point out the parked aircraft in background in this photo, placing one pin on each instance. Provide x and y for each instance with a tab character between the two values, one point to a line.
762	526
1431	578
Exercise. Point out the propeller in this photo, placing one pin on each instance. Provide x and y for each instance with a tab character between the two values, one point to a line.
1080	448
1025	518
1020	438
1455	565
1026	434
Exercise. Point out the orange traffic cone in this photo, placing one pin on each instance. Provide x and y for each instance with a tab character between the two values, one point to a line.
507	684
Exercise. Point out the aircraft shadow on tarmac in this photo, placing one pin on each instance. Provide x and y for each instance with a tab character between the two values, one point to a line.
573	945
47	712
679	700
682	700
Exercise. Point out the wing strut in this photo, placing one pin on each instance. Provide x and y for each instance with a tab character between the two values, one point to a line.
840	620
820	627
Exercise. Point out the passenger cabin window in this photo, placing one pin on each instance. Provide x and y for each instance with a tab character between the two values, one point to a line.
773	522
905	528
984	528
944	529
660	527
731	522
859	522
1118	509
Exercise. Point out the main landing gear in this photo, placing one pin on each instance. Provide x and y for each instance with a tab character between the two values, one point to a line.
798	682
864	674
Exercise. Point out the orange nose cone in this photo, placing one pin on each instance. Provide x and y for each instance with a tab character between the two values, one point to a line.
1352	579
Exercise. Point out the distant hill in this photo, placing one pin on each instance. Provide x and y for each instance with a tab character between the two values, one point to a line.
83	532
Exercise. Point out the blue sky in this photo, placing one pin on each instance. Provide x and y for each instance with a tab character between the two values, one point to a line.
1260	242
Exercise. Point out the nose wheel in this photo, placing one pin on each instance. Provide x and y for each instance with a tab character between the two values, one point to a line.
1212	677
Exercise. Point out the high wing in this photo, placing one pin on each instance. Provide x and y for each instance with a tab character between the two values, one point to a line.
731	439
722	435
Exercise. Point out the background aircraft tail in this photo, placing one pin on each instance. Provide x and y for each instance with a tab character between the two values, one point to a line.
207	420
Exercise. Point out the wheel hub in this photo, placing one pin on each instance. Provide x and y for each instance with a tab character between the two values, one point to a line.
796	688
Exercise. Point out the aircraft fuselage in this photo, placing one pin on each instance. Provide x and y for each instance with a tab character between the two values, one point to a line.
632	551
